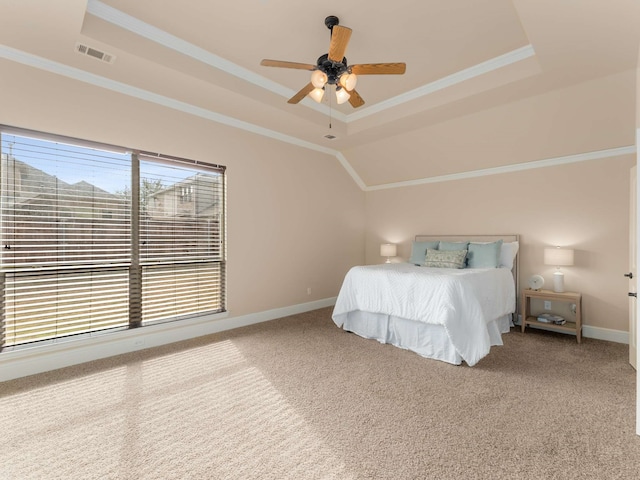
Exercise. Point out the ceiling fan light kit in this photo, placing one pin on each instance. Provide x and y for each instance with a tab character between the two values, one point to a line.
319	78
332	69
348	80
317	94
342	95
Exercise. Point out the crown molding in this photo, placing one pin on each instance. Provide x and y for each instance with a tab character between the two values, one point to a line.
156	35
139	93
350	170
518	167
450	80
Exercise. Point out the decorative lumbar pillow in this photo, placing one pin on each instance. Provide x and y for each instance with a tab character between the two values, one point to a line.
484	255
445	258
419	250
453	245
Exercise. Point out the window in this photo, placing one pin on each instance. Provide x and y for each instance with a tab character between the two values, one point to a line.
185	193
96	238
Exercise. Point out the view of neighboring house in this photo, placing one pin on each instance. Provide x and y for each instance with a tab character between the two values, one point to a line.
193	197
47	219
88	218
28	185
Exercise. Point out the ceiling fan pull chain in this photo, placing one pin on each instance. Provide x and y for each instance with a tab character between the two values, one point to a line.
330	118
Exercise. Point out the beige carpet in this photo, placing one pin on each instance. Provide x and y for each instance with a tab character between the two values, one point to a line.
298	398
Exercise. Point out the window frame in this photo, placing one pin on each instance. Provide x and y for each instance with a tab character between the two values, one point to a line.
134	265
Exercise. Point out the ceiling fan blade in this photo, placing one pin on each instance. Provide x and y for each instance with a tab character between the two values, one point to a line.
355	99
339	39
282	64
301	94
379	69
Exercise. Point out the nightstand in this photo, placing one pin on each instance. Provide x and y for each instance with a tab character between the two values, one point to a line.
571	297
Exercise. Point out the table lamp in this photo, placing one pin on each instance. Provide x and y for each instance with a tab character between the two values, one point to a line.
558	257
388	250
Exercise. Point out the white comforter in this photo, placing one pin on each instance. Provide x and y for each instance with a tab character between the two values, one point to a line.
462	301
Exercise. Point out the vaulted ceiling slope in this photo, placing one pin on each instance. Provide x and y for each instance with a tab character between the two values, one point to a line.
489	83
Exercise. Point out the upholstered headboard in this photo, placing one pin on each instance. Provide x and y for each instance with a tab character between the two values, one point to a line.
482	238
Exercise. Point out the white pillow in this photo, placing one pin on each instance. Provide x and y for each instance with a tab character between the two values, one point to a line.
508	253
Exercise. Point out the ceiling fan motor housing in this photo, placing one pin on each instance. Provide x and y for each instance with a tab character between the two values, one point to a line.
331	69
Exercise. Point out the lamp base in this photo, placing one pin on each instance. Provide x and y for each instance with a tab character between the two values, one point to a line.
558	282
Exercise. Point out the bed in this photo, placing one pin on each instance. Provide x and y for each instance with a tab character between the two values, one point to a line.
450	314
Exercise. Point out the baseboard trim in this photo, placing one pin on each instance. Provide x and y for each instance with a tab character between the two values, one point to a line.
30	361
597	333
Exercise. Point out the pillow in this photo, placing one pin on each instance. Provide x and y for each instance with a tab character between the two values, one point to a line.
445	258
508	253
484	255
453	246
419	250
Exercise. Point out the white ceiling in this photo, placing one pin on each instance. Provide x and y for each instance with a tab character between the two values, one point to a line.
203	56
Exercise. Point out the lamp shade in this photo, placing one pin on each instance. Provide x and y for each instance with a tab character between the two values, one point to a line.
318	78
348	80
317	94
342	95
388	250
558	257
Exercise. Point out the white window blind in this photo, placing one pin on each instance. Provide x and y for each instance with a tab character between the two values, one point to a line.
181	245
97	238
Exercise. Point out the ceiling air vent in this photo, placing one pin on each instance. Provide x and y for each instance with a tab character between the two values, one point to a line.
95	53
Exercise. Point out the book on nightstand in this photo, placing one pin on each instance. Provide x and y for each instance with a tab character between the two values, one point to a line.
551	318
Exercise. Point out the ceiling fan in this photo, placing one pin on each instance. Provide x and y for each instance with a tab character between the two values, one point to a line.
332	69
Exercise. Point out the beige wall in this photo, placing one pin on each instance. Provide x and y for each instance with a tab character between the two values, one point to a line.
590	116
295	217
582	205
298	221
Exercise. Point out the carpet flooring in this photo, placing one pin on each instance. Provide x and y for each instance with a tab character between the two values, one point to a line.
298	398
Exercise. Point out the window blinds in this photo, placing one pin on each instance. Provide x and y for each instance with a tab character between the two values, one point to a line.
97	238
181	236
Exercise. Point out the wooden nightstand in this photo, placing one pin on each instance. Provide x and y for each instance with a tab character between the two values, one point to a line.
571	297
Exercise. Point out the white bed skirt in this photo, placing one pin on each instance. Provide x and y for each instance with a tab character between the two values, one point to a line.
427	340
